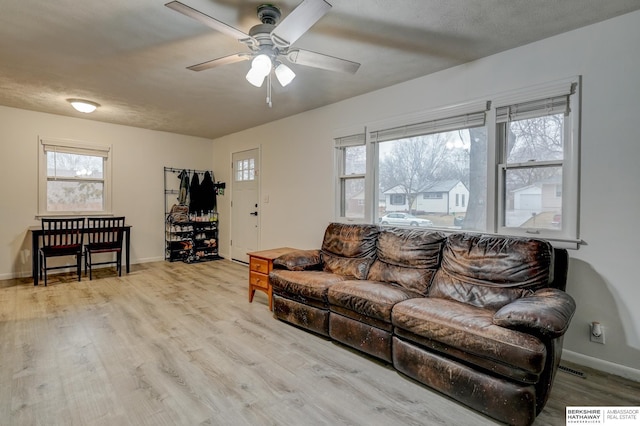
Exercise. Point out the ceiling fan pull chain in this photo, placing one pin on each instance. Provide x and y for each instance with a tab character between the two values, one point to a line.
269	90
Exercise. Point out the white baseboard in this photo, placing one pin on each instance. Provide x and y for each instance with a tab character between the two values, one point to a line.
148	260
26	274
602	365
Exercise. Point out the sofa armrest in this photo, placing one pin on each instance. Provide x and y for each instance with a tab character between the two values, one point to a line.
299	260
546	313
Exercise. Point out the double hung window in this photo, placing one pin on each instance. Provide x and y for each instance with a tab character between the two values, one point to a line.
537	169
73	178
351	168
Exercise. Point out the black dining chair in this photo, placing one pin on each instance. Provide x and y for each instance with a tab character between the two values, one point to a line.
104	235
61	237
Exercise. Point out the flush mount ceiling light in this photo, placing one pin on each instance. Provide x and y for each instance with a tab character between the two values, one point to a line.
83	105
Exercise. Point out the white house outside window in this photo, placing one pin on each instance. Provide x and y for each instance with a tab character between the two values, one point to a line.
73	178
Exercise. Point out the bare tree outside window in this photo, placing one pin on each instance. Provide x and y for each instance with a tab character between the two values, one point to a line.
432	171
533	177
74	182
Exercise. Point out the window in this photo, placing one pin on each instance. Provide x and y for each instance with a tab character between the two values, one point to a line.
430	158
397	199
508	165
73	178
245	170
432	195
351	167
537	140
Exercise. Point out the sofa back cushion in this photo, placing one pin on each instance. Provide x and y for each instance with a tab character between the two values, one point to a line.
349	249
491	271
407	257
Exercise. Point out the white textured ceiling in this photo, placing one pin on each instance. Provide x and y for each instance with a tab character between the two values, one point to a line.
131	56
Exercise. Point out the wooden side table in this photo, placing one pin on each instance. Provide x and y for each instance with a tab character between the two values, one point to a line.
260	264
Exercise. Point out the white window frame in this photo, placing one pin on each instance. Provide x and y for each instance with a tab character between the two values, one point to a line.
568	236
73	147
346	139
422	122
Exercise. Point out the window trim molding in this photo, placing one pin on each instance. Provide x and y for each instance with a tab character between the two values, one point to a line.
72	147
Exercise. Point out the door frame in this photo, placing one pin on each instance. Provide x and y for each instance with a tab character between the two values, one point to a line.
259	197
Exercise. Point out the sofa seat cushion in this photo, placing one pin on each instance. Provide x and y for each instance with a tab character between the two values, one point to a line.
369	298
304	284
471	330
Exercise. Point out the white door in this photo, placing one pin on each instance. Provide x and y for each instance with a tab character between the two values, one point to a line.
245	220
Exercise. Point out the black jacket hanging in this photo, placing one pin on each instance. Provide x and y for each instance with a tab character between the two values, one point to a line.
195	203
208	193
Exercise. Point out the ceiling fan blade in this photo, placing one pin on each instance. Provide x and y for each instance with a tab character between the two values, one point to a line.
318	60
210	22
299	21
225	60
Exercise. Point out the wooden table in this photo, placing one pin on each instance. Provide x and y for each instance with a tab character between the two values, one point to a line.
260	264
36	236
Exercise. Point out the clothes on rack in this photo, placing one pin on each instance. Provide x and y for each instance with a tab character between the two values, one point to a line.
195	199
208	193
199	196
184	187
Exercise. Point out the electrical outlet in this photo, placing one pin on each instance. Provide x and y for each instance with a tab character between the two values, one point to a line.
598	337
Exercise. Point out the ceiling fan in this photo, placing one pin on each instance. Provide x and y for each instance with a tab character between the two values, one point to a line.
270	42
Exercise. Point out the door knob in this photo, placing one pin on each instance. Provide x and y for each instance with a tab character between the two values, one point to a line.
254	214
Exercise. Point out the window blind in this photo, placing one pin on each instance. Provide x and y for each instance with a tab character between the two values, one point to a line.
352	140
461	118
539	101
542	107
71	148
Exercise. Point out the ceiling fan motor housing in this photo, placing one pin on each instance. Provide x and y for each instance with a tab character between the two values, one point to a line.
269	14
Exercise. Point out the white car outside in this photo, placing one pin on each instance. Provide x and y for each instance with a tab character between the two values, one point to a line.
404	219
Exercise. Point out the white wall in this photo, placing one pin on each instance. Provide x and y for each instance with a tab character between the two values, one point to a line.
138	178
297	167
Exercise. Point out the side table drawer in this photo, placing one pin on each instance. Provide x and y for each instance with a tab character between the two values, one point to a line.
258	280
259	265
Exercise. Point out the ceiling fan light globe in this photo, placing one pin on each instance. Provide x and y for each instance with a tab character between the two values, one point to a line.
284	74
254	77
261	64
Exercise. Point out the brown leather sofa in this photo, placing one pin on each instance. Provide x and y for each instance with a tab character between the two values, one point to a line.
479	318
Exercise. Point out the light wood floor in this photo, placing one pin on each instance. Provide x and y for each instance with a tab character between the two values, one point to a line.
178	344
